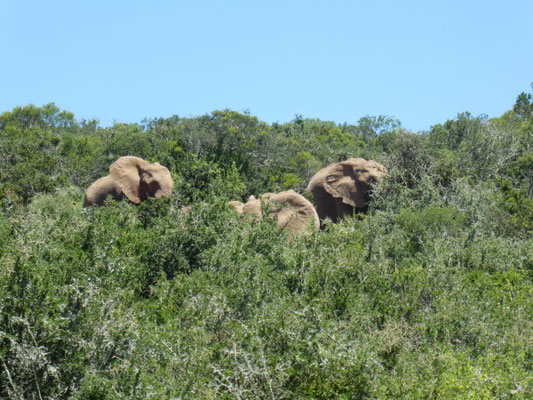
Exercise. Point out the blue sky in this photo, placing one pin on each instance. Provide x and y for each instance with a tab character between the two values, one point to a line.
419	61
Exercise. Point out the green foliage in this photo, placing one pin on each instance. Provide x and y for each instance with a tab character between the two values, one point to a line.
453	132
428	295
524	105
519	205
29	157
31	117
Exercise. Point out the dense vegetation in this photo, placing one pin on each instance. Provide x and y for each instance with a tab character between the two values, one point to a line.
429	295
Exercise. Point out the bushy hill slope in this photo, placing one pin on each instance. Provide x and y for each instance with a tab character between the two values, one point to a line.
426	296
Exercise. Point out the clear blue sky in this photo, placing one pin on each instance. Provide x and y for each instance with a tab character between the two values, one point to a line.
419	61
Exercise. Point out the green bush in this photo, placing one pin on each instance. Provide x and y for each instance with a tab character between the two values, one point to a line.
428	295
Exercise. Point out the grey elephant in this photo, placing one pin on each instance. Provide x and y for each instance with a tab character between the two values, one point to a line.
133	178
291	210
343	187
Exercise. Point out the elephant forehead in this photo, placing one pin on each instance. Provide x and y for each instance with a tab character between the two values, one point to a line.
156	168
365	164
160	173
369	169
340	180
361	170
366	172
376	172
375	166
356	161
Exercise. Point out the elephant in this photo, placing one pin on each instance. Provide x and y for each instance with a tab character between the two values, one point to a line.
291	210
133	178
340	188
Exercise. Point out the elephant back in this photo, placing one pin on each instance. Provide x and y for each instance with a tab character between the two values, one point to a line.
97	193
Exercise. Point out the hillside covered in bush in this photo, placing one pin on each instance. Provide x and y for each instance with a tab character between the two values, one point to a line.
427	295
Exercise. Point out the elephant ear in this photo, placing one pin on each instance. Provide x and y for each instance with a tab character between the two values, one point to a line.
340	181
127	171
296	211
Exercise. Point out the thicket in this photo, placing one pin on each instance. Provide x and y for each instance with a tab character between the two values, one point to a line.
428	295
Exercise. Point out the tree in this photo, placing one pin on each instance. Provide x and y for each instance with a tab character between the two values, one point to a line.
523	106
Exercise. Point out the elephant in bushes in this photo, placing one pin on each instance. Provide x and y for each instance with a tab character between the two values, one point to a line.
291	210
343	187
133	178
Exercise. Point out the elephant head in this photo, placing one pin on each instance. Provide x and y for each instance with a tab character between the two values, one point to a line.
342	187
131	177
291	210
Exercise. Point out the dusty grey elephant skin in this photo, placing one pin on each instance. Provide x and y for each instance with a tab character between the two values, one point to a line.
341	188
291	210
132	178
